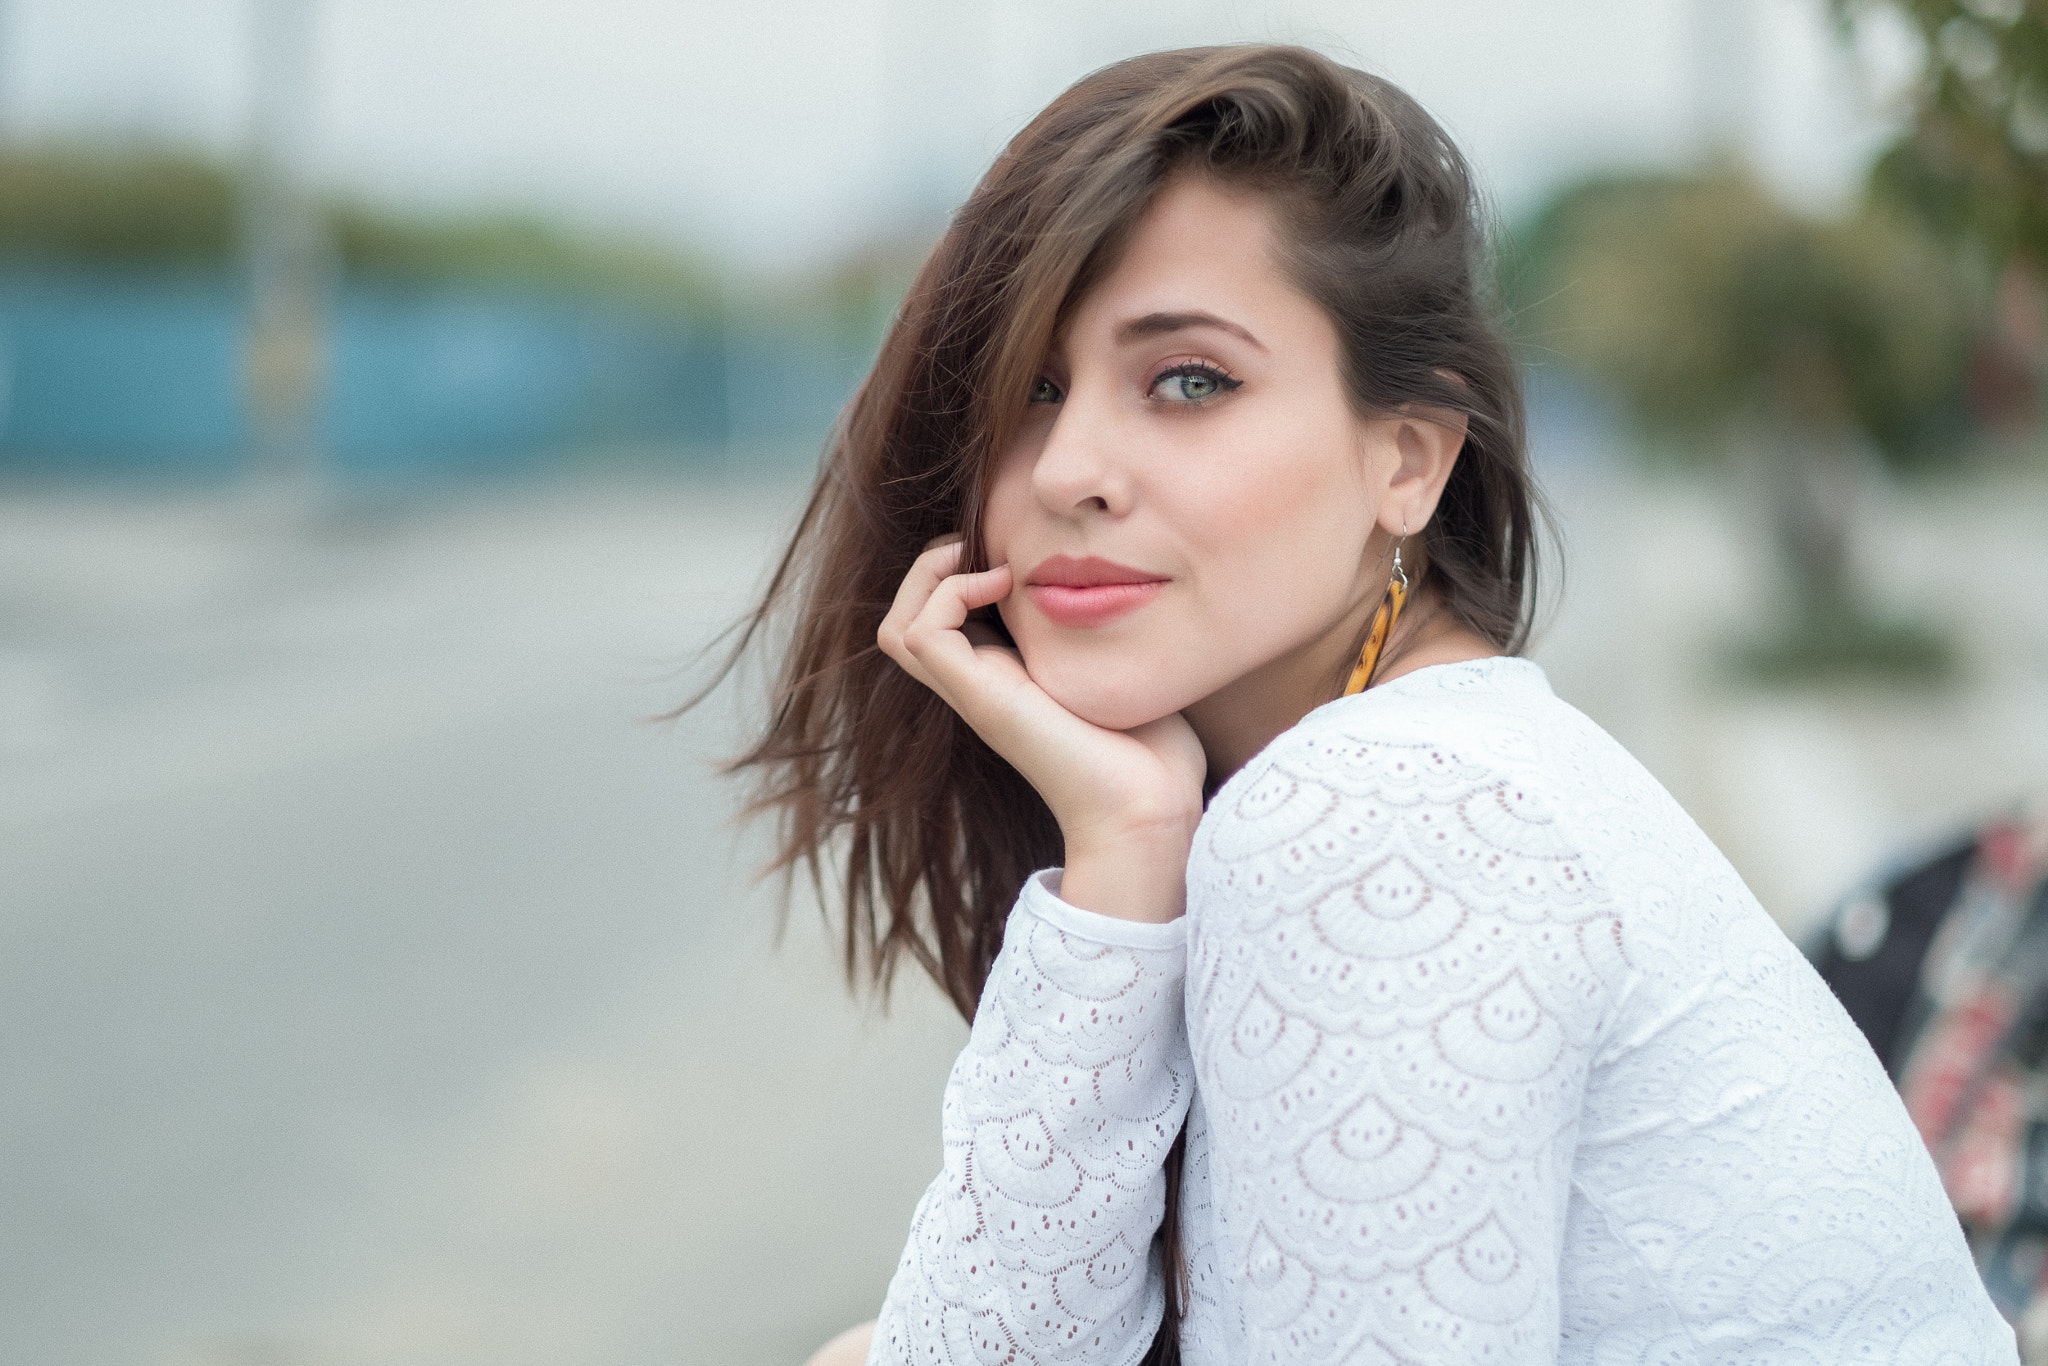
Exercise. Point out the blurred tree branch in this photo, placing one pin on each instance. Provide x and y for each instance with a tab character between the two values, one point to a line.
1972	159
1701	300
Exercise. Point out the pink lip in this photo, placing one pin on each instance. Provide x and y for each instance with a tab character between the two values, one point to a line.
1089	592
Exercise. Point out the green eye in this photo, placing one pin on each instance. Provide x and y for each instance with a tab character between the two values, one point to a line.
1192	384
1044	390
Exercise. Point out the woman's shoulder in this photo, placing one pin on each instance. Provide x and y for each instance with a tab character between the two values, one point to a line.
1430	732
1476	767
1398	852
1448	767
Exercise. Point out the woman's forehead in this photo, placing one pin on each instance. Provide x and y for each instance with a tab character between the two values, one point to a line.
1201	258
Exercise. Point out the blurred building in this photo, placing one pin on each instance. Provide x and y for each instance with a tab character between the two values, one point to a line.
140	372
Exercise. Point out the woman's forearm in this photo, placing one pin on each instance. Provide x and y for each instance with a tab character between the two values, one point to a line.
1036	1237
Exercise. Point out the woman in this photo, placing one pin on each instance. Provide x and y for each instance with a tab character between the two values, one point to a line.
1338	994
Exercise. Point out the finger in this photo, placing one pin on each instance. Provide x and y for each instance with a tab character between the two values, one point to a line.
925	575
957	595
934	638
985	682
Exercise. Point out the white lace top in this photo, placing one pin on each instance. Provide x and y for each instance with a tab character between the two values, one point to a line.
1485	1055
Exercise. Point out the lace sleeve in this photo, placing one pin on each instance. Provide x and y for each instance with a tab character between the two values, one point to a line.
1034	1242
1399	971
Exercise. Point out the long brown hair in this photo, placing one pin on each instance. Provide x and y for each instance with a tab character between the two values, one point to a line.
879	787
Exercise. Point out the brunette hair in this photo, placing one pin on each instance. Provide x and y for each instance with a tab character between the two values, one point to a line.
878	785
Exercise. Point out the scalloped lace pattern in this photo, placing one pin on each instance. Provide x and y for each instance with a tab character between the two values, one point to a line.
1495	1060
1035	1242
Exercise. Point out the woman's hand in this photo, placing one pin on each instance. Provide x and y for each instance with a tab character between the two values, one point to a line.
1126	801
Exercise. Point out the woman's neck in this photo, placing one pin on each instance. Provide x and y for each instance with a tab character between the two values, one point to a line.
1236	722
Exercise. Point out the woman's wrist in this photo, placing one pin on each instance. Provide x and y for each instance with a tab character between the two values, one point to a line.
1131	875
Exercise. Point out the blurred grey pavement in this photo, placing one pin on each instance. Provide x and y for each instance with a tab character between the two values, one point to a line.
377	986
380	987
1808	791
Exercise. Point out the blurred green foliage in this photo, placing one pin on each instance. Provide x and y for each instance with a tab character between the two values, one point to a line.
1972	160
144	207
1787	349
1701	300
159	208
516	249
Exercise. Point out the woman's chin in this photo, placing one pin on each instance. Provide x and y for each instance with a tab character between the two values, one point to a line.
1111	703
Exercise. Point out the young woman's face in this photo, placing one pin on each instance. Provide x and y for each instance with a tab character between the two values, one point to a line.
1188	504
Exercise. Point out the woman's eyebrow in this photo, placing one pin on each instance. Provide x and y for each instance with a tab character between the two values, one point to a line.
1155	324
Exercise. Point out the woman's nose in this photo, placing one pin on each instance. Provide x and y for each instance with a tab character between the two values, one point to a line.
1078	469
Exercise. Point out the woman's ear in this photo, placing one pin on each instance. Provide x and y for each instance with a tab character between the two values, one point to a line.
1427	441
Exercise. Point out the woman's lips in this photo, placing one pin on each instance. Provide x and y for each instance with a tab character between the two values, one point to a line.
1066	606
1089	592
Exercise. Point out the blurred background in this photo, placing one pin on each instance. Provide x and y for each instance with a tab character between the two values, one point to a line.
394	398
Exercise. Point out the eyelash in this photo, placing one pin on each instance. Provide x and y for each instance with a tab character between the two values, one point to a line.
1194	365
1225	382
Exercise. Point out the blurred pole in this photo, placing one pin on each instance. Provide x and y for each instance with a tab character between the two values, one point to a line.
286	254
6	52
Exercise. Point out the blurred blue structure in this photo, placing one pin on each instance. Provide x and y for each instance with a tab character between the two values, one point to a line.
139	373
131	373
111	370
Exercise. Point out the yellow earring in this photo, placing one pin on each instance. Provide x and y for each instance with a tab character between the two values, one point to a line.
1382	625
